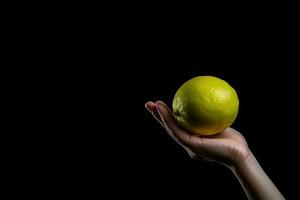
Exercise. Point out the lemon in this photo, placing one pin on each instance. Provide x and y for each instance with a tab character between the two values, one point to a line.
205	105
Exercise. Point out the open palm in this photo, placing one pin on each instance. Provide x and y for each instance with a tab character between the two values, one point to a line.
228	147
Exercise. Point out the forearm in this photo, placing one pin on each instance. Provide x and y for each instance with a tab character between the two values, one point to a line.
255	182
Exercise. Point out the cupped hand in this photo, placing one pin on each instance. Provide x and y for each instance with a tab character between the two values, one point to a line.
228	147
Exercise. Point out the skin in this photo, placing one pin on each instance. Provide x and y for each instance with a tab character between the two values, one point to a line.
228	148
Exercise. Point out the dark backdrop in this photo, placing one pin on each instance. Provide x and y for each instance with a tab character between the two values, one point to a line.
266	87
135	151
118	143
99	136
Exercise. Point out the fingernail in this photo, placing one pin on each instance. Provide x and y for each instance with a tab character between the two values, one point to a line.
147	107
158	108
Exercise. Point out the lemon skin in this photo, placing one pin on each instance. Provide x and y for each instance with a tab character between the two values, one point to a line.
205	105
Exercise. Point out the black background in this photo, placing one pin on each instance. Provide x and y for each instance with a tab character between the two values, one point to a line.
130	146
91	134
265	87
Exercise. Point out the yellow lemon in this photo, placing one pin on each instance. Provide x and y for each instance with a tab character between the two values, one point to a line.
205	105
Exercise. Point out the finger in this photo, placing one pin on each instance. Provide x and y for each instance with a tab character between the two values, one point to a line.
165	105
151	107
171	125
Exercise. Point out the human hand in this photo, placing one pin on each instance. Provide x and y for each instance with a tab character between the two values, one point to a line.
228	147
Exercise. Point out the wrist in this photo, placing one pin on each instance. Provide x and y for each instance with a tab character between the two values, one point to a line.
254	180
248	162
